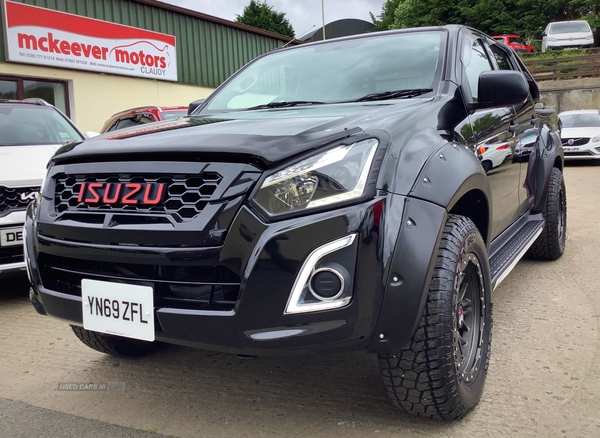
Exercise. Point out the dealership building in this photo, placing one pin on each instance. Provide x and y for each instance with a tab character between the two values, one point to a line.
94	58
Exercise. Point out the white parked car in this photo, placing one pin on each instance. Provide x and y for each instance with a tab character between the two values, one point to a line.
493	155
580	134
30	132
567	35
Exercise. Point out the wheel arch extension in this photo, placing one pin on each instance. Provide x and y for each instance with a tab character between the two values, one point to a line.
454	179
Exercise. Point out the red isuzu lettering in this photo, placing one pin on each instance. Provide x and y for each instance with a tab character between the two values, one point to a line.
129	193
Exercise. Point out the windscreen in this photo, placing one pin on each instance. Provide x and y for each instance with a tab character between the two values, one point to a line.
336	71
22	125
570	26
584	120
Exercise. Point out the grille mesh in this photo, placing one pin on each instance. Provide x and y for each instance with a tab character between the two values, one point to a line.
576	141
11	198
186	195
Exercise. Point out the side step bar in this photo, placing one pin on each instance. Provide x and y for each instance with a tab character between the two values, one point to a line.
514	248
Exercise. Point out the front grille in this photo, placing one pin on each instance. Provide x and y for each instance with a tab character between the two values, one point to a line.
11	254
211	287
577	153
16	198
186	195
575	141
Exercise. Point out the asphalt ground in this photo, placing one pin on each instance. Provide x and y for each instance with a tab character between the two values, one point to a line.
543	381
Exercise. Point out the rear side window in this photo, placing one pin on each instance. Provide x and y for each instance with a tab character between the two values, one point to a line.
129	122
501	58
517	41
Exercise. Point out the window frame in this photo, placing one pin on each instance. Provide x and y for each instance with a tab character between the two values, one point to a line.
21	88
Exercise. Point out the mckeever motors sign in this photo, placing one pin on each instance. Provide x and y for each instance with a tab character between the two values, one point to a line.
42	36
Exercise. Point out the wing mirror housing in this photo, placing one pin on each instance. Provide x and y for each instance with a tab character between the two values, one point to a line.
499	88
195	104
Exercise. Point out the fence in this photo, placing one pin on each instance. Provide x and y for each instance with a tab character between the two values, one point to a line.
564	67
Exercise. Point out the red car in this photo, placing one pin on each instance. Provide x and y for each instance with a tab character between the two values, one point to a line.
514	41
141	115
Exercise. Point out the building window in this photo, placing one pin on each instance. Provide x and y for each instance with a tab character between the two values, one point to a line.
53	92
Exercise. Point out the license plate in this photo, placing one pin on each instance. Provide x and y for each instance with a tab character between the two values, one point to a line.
11	237
572	149
118	309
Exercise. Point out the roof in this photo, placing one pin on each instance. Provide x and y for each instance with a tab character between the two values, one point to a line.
213	19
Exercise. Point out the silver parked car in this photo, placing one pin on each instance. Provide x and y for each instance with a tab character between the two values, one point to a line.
567	35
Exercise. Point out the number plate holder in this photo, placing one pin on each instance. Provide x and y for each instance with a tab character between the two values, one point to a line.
118	309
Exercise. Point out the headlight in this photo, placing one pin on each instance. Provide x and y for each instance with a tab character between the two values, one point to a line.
336	175
589	37
552	39
596	139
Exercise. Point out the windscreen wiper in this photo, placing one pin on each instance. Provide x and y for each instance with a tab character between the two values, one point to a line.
285	104
395	94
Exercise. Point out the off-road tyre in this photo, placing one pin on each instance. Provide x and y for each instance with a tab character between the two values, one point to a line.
114	345
550	245
429	377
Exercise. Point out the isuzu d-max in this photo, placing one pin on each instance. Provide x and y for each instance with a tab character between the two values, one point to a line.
326	197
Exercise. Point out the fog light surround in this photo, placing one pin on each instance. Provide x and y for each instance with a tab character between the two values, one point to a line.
319	291
297	302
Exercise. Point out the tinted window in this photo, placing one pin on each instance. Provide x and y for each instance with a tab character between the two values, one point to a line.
517	41
584	120
569	26
501	59
475	62
336	71
22	125
131	121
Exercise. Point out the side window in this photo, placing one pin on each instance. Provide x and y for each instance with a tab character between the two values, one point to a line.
475	62
501	58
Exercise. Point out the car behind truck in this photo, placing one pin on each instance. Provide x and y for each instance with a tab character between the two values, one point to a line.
327	197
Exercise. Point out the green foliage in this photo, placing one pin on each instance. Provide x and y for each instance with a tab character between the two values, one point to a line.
385	20
526	18
261	15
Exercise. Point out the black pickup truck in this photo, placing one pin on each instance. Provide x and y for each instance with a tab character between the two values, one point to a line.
357	194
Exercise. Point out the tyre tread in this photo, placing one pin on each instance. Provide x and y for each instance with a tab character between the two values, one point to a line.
420	377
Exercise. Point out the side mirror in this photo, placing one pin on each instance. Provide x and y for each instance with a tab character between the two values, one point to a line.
498	88
195	104
544	34
90	134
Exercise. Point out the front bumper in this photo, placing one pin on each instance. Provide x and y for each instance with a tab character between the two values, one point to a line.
560	45
11	257
590	151
267	258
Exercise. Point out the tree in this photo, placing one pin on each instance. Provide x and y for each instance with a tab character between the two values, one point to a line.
527	18
261	15
385	20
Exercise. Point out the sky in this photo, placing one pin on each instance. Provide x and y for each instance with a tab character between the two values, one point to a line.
304	15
